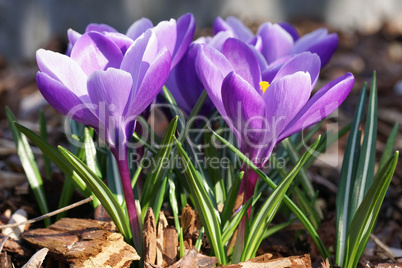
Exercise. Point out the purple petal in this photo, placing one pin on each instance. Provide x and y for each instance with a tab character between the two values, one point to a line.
95	27
256	41
219	39
94	51
111	88
203	40
220	25
63	69
276	41
269	73
260	58
243	61
174	86
73	36
183	81
304	62
166	34
64	100
139	27
320	42
110	92
212	67
121	40
185	32
154	79
323	103
244	107
139	56
290	29
284	98
241	30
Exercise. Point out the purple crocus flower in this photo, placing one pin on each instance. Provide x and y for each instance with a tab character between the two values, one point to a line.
278	42
183	81
262	109
102	87
176	36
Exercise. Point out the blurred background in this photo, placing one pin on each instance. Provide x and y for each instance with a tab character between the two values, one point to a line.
26	25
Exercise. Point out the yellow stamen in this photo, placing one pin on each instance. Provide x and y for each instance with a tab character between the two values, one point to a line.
264	85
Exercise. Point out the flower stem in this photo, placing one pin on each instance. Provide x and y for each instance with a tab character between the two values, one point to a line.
249	183
130	201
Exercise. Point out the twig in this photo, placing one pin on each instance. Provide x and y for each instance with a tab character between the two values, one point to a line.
384	247
50	214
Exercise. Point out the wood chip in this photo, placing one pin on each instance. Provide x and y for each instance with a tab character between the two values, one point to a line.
5	260
162	224
293	261
83	243
193	259
187	220
388	265
170	243
149	237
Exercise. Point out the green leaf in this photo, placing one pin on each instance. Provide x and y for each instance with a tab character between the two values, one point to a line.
231	199
173	203
276	228
101	191
113	178
28	163
158	200
365	168
198	105
66	196
43	133
159	165
203	204
348	175
389	146
232	225
268	210
181	243
287	201
90	152
198	242
168	96
305	182
365	218
56	157
214	169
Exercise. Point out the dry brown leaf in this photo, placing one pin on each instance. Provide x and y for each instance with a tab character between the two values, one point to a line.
19	216
37	259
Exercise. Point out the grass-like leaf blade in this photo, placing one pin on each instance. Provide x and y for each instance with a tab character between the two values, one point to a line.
155	177
55	156
348	174
28	163
365	168
43	133
203	205
365	218
101	191
389	146
268	210
287	201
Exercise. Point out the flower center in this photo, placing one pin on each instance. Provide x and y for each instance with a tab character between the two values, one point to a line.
264	85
